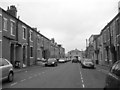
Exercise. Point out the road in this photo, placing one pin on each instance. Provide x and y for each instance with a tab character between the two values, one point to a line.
66	75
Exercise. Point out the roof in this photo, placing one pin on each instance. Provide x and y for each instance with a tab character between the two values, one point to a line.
23	23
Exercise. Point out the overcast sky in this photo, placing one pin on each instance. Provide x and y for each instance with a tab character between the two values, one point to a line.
70	22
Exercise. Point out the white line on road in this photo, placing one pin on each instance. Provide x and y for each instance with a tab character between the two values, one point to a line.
13	84
83	85
82	79
23	80
29	77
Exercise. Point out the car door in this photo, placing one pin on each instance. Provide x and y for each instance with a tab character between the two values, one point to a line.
114	76
5	68
117	74
0	68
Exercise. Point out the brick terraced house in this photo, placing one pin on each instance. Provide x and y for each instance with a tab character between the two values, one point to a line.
23	43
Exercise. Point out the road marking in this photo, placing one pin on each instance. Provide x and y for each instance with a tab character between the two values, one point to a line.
14	84
83	85
29	77
23	80
81	78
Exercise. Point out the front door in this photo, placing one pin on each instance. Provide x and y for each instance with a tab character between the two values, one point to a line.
24	54
12	54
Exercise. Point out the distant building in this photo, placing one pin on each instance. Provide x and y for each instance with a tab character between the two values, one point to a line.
74	54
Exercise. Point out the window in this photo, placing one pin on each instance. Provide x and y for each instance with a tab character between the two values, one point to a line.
12	28
31	36
31	51
4	62
24	32
117	21
5	24
0	22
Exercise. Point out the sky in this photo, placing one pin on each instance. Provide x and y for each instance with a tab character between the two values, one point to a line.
69	22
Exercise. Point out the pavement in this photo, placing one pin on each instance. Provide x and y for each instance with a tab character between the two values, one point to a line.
41	65
105	67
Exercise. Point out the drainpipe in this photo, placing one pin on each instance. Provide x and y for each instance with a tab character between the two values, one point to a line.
112	54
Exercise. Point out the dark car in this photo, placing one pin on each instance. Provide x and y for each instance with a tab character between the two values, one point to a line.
113	77
75	61
51	62
6	68
87	63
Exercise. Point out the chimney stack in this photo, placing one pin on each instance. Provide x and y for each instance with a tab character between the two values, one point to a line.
12	10
35	29
52	40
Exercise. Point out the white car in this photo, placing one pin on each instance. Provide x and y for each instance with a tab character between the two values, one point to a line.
88	64
6	70
62	60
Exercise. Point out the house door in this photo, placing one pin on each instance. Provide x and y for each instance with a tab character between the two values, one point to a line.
12	54
24	54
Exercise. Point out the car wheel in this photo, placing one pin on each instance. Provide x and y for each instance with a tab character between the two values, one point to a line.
93	67
82	66
10	77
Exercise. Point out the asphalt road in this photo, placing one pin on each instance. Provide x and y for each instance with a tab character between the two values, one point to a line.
66	75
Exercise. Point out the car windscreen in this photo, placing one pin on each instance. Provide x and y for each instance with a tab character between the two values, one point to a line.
88	61
51	60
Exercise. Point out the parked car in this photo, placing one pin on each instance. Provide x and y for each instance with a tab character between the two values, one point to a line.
7	70
87	63
75	61
51	62
61	60
113	77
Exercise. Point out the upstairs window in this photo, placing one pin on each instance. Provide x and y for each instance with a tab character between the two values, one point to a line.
24	32
5	24
31	35
0	22
12	28
117	24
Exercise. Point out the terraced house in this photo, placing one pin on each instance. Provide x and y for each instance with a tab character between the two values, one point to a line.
22	43
107	44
